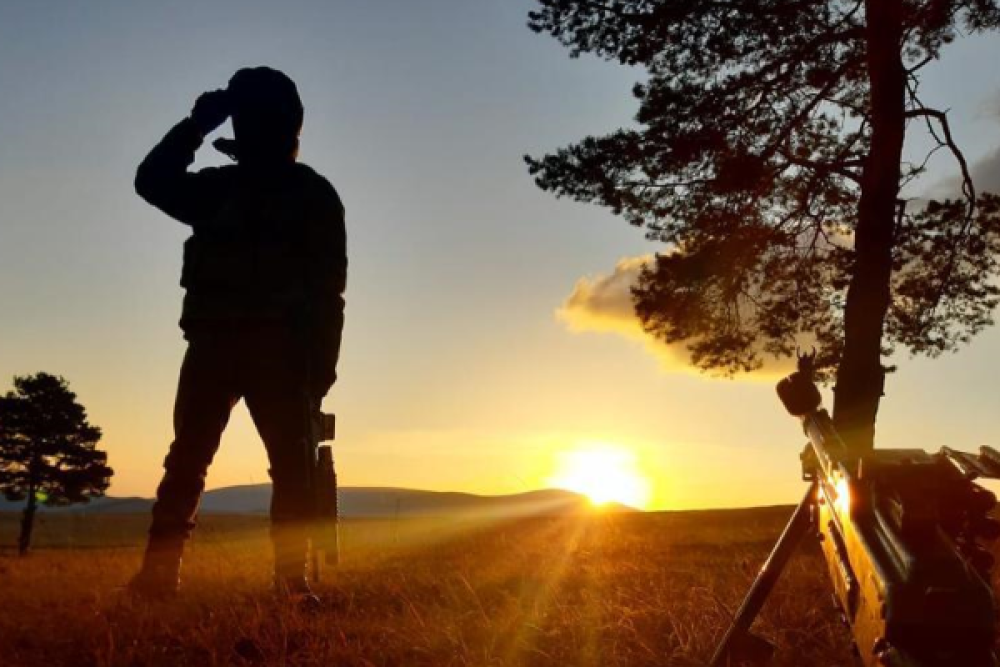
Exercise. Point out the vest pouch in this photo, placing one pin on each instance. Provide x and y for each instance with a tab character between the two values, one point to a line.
192	262
281	271
217	265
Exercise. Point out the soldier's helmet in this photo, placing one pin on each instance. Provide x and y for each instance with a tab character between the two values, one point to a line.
267	114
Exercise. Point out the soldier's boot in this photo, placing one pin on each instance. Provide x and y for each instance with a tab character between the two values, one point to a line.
159	576
290	571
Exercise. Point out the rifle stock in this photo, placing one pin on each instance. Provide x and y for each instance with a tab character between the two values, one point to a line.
325	524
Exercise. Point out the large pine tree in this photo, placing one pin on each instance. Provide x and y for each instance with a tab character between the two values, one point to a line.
768	160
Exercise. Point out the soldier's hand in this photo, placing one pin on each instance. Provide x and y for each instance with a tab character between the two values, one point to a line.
210	110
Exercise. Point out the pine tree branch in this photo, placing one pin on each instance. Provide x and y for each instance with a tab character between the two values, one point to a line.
968	190
968	187
910	71
839	168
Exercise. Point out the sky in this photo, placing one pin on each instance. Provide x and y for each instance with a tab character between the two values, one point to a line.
470	360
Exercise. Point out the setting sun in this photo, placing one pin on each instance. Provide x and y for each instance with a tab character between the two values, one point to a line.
604	473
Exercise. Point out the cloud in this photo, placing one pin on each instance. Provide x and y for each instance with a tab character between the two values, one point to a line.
603	304
986	173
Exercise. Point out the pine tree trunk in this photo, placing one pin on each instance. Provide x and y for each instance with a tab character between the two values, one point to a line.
27	523
861	376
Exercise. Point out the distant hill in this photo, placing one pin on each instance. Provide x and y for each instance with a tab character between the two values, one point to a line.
360	502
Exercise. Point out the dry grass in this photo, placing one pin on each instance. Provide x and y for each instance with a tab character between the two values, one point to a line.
600	590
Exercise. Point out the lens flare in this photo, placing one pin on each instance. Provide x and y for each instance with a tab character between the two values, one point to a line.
604	473
843	496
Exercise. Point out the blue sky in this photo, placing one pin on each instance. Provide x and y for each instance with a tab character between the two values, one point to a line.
456	372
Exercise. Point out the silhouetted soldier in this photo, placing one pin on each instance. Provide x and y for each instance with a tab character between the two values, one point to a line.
264	272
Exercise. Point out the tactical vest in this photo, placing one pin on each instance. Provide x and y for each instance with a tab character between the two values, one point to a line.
253	260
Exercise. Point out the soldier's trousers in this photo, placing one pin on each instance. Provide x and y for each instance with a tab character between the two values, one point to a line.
265	367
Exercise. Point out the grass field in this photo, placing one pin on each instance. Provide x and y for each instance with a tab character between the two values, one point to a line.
598	590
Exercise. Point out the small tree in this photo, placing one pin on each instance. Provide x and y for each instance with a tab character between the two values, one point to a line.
768	158
48	449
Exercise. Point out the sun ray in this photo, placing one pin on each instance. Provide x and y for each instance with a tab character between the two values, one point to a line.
538	598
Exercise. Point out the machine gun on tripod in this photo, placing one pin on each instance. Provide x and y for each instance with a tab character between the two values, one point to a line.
902	534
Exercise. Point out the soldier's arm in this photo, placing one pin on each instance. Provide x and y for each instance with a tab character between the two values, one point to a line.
330	243
164	181
328	278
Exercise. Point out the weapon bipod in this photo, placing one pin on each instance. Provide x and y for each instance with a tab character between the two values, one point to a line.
739	645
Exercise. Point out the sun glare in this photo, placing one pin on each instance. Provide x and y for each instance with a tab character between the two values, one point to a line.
604	473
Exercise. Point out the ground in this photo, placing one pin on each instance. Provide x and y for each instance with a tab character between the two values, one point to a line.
593	590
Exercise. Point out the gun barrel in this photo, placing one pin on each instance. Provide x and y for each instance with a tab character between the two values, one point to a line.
831	451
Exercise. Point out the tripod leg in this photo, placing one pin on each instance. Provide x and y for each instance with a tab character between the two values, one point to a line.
738	634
